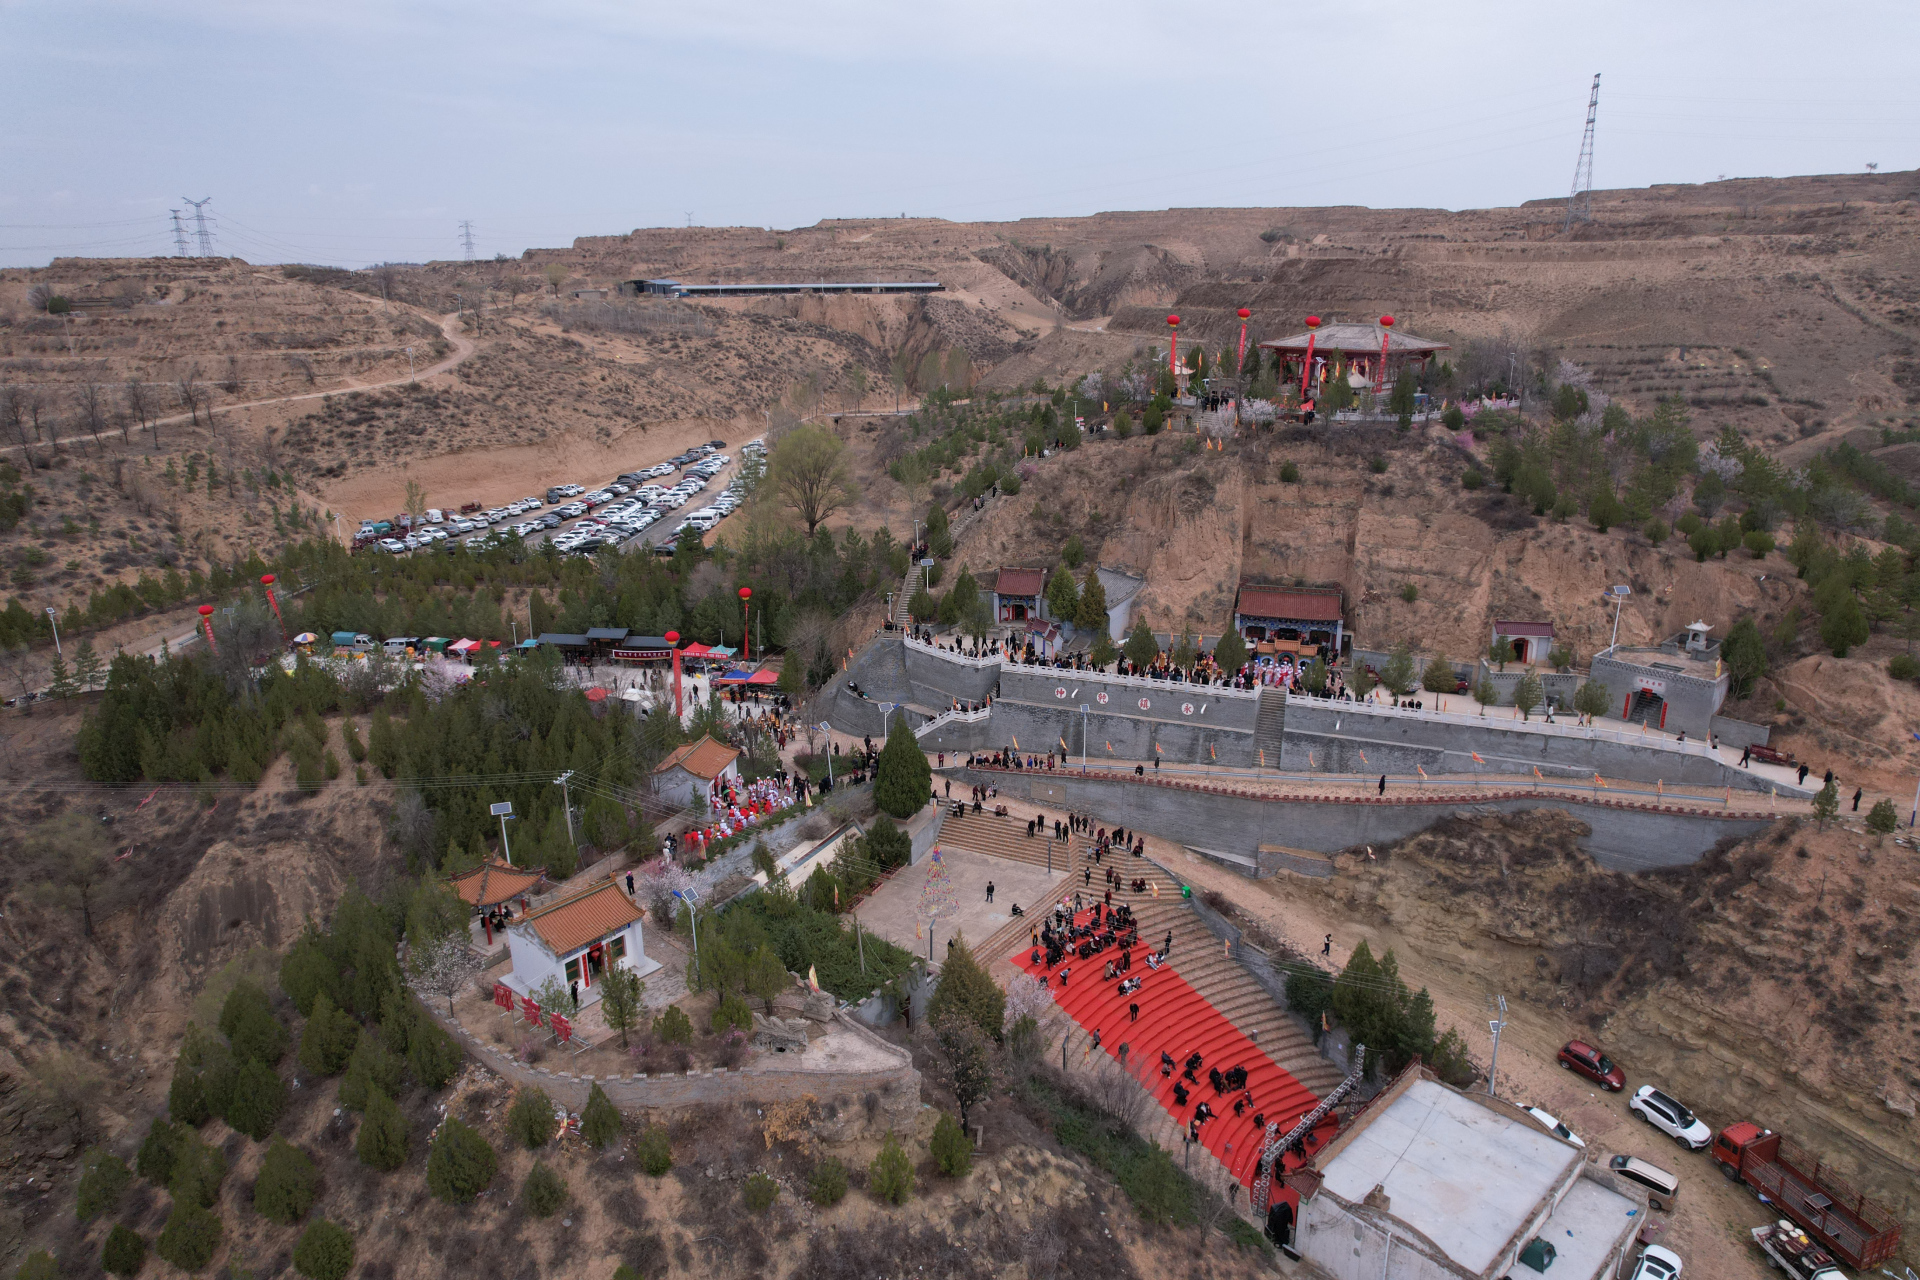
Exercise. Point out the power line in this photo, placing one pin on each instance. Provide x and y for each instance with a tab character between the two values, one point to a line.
179	236
466	238
200	225
1580	199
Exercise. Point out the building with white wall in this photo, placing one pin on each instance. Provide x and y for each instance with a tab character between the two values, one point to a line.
575	939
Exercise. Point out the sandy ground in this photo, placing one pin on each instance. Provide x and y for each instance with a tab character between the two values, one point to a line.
893	910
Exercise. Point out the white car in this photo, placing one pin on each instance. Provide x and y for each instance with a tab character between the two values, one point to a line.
1656	1263
1554	1127
573	509
1670	1118
392	545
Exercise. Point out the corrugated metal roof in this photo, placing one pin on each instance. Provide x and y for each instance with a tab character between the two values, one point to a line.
1305	604
606	633
703	759
1019	582
494	882
1542	629
584	918
1120	587
563	639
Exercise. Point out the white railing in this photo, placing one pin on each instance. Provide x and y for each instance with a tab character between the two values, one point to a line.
1067	675
979	664
953	717
1591	733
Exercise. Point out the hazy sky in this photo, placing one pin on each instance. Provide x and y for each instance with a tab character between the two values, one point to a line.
352	131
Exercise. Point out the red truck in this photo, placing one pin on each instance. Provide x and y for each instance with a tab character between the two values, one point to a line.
1860	1232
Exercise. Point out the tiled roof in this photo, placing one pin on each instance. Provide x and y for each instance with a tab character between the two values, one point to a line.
703	759
585	917
1357	338
1541	629
1120	587
1304	604
497	881
1019	582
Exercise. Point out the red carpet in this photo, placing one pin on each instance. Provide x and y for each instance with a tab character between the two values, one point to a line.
1177	1019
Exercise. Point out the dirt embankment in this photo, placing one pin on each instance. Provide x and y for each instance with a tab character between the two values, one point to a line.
1771	982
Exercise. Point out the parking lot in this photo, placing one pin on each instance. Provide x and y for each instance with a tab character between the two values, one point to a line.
646	507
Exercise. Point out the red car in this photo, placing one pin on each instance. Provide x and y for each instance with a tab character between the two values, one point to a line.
1596	1066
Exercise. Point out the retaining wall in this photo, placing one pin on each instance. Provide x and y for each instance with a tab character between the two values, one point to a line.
1623	836
1328	737
936	679
765	1078
1739	733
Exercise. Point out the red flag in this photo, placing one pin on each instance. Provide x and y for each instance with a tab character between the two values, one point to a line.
1476	757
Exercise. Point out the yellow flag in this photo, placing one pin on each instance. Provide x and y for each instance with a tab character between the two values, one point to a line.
813	977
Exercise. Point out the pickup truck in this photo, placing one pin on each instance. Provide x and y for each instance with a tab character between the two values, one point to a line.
1793	1252
1844	1222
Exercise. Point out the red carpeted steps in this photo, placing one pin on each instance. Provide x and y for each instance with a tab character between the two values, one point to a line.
1177	1020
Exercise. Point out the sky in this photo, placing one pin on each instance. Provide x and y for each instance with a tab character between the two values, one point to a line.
351	132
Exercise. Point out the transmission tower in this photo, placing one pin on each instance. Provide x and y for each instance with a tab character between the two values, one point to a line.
179	236
200	225
1580	199
466	238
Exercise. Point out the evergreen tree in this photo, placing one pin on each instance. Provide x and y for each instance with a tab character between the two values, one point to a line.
103	1179
939	532
87	670
1397	674
324	1251
544	1191
246	1019
383	1141
1063	597
530	1118
620	1006
191	1236
1604	510
156	1159
287	1184
125	1252
63	685
259	1098
965	990
1230	652
329	1039
1527	694
433	1055
198	1171
600	1121
371	1067
1883	819
1826	804
902	780
1141	648
653	1150
461	1165
1745	654
1591	699
1090	612
890	1176
1438	676
1103	652
952	1150
203	1077
1844	626
307	970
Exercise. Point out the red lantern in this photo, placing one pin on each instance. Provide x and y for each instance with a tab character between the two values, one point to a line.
1313	322
266	582
746	641
673	641
1380	375
1174	321
1244	312
1386	322
206	621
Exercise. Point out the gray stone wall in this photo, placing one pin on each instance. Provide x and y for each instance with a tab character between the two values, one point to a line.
1624	837
1692	701
1329	737
936	679
1739	733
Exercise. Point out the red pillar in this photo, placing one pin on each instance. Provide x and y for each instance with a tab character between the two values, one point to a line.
673	640
1306	366
1380	374
1173	351
746	639
1244	312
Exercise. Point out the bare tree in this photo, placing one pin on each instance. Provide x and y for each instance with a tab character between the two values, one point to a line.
443	966
93	411
232	384
73	866
191	392
134	395
384	276
40	405
13	415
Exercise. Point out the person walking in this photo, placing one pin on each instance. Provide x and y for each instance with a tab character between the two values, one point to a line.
629	884
989	891
1133	1013
1746	756
1803	775
1858	792
1326	947
1383	784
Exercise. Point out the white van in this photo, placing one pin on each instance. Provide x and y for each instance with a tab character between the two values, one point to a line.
397	646
1662	1188
435	515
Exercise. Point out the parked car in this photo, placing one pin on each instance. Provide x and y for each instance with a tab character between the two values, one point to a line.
1583	1059
1670	1118
1656	1263
1662	1188
1553	1126
393	545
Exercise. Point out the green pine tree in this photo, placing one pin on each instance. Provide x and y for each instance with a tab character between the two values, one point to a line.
1141	648
461	1165
63	685
1826	805
600	1122
965	990
1230	652
1090	612
1063	597
902	781
383	1141
87	669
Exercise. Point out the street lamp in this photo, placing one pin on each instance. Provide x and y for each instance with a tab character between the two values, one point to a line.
503	811
746	639
1619	595
55	623
691	898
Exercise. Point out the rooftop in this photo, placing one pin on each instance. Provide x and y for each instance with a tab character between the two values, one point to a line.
1019	582
494	882
1354	337
585	917
1462	1174
1120	587
703	759
1509	628
1304	604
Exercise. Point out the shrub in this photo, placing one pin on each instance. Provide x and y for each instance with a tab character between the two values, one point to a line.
287	1185
198	1170
38	1266
329	1038
1289	473
1759	543
1656	531
156	1158
952	1153
125	1252
247	1020
383	1141
674	1026
1123	424
371	1067
1687	525
656	1154
1883	818
733	1011
190	1237
544	1191
890	1176
324	1251
761	1192
1902	666
530	1120
600	1120
1377	465
828	1185
259	1098
1410	592
1310	995
461	1164
965	990
203	1077
1472	480
103	1179
433	1055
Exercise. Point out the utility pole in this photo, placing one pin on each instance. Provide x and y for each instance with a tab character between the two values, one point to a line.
1619	594
200	225
55	624
1580	199
1496	1026
179	236
466	238
566	800
503	810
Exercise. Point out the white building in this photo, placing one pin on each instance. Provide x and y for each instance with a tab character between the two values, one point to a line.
685	776
1430	1183
575	938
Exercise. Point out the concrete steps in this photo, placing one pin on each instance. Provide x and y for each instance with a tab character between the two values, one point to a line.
908	585
1269	727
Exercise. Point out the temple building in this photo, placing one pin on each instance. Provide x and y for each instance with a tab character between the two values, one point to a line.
1354	351
1301	620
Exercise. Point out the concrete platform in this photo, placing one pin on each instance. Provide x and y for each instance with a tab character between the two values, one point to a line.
892	912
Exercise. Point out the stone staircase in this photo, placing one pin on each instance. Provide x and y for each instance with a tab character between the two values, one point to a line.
1198	956
908	585
1270	725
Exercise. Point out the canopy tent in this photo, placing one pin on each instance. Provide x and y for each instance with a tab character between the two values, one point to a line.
436	644
735	676
528	644
764	677
463	646
306	637
697	651
596	694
